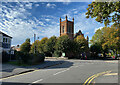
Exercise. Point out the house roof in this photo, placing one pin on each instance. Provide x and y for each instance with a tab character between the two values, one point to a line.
5	34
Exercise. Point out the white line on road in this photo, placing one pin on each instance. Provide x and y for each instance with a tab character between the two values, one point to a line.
61	71
36	81
76	66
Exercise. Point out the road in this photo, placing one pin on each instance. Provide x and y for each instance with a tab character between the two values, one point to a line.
72	72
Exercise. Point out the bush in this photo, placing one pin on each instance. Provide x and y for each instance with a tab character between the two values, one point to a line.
56	54
36	58
19	56
5	57
29	58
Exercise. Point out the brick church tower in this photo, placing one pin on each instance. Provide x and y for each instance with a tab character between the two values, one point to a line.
67	28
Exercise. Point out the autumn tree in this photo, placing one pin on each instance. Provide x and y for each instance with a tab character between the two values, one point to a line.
25	47
50	45
38	46
35	47
104	12
108	38
82	44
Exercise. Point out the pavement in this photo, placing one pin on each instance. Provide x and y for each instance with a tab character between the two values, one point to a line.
72	72
10	70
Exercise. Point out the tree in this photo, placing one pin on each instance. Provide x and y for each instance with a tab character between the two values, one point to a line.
50	45
106	12
35	47
25	47
95	49
108	38
38	46
42	45
82	44
63	44
97	37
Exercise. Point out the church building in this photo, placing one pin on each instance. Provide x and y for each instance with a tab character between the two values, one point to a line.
67	28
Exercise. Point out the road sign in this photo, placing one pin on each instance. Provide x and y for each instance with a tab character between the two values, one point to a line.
63	54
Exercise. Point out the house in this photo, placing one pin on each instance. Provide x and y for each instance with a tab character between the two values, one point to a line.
17	48
5	42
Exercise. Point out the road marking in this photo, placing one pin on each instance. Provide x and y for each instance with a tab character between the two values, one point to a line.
111	74
61	71
111	61
76	66
35	82
90	79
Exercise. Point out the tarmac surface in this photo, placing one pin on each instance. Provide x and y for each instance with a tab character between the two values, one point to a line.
72	72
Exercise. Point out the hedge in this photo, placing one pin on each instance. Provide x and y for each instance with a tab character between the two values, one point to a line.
29	58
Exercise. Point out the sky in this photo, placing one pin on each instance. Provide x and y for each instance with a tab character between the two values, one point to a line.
22	20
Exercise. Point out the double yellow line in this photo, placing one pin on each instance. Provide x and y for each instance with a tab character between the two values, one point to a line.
90	79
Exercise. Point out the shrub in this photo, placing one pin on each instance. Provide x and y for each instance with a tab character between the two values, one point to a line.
56	54
5	57
18	56
36	58
29	58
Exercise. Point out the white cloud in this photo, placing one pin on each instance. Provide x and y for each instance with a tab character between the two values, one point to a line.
75	12
47	20
66	3
87	26
29	5
15	23
37	5
50	5
97	29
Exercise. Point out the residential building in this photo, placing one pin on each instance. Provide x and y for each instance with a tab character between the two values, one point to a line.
5	42
17	48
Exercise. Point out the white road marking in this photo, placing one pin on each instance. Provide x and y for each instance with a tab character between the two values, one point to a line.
36	81
111	74
76	66
61	71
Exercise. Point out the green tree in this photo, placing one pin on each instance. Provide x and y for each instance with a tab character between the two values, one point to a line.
25	47
42	45
108	38
50	45
106	12
63	44
97	37
96	48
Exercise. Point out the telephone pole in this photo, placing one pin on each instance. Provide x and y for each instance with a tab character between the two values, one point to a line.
34	43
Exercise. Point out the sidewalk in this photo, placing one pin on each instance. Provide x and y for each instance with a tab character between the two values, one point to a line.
9	70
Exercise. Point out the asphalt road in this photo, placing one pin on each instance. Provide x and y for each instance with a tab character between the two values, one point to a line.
72	72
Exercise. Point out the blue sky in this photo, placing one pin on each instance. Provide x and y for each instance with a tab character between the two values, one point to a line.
22	19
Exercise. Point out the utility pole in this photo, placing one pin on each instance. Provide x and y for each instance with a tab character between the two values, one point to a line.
34	43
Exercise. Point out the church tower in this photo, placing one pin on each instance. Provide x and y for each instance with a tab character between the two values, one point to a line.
67	28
